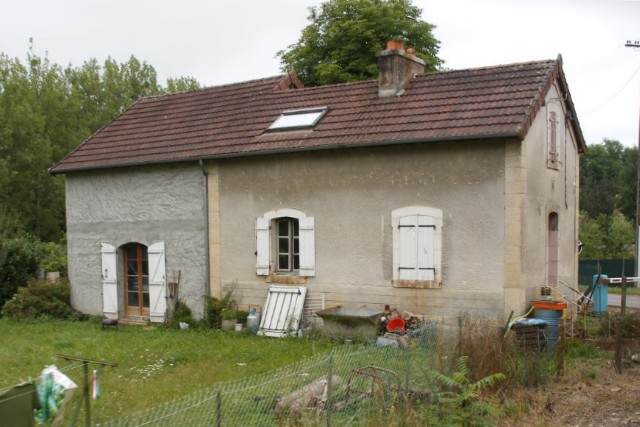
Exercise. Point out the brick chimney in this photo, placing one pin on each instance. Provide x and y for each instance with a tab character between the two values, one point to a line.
396	68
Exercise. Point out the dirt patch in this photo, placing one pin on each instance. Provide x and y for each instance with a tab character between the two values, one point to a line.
590	393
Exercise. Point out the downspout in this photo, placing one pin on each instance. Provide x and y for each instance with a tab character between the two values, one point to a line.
207	285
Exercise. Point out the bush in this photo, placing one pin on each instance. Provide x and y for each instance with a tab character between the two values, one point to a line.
19	259
40	299
54	257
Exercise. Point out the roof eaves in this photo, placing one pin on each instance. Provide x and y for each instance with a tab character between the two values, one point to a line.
508	135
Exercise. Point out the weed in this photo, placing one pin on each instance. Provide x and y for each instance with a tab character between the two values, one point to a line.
182	314
460	400
589	374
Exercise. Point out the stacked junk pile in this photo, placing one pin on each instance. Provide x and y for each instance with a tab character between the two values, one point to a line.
390	327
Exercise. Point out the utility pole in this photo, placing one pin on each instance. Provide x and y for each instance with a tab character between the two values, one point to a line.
636	44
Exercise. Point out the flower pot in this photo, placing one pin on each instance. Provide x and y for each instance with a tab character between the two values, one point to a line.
229	324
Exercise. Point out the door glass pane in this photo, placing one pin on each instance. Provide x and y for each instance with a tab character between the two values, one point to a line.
132	266
133	299
145	300
132	282
132	251
145	283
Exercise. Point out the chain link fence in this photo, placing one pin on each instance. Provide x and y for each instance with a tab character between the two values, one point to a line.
354	384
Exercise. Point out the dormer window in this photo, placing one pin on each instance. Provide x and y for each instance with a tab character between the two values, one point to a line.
305	118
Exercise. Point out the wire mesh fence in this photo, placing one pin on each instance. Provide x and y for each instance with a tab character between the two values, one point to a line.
352	384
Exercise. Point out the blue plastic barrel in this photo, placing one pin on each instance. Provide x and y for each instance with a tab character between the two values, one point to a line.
600	295
551	314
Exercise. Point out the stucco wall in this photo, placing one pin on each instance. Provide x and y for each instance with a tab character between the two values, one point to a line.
351	194
550	190
145	205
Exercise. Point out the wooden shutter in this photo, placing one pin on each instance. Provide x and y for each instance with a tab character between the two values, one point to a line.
425	247
417	234
263	247
553	140
307	246
109	281
157	282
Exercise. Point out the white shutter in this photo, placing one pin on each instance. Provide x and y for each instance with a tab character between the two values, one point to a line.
282	311
408	244
307	246
417	242
109	281
425	248
157	282
262	246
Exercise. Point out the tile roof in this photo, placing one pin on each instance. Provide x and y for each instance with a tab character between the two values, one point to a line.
230	120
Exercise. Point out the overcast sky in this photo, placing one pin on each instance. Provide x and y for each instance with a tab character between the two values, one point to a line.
219	42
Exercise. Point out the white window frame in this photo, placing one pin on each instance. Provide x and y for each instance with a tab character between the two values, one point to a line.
266	238
305	118
434	218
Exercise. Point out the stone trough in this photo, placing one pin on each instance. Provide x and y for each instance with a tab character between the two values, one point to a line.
353	322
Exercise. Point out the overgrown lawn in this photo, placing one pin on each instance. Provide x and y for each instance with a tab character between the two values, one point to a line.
155	364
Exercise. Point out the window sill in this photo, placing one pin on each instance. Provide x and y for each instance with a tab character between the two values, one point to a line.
286	280
417	284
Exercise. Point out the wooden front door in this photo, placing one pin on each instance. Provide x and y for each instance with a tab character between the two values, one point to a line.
136	279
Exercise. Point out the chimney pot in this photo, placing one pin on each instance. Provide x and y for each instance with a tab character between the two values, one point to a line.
395	44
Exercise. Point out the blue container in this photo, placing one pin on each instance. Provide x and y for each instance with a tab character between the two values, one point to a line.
552	318
600	295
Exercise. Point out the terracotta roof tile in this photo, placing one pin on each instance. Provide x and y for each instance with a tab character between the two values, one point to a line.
231	120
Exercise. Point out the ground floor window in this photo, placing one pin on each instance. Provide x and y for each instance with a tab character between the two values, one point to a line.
285	243
288	238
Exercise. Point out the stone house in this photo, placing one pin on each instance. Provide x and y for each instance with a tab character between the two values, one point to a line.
434	193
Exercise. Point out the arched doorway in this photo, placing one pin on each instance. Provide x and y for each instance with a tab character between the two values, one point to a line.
136	279
553	249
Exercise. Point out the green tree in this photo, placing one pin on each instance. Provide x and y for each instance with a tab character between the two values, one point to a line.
344	35
45	111
606	236
607	179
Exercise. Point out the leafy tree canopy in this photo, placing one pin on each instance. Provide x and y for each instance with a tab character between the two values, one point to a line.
344	35
606	236
608	179
46	111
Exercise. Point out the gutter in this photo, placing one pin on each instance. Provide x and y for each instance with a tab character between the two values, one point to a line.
207	284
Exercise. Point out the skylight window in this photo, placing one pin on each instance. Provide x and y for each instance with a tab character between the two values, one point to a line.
298	119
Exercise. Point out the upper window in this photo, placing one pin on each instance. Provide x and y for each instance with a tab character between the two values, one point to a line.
298	119
417	243
285	243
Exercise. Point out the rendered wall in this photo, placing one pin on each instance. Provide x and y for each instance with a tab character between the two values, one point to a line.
146	205
550	190
351	194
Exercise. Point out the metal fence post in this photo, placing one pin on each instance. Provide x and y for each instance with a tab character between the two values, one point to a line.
218	419
328	404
